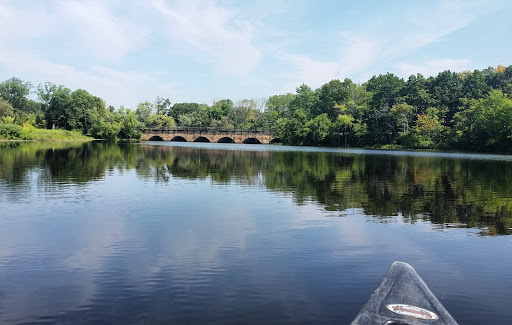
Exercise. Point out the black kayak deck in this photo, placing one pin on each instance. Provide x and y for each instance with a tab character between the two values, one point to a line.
403	298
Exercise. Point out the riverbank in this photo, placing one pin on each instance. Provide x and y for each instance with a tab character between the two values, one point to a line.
17	132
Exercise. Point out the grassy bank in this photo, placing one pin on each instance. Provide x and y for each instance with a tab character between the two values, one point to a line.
17	132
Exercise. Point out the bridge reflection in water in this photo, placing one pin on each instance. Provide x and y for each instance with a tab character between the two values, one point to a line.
210	135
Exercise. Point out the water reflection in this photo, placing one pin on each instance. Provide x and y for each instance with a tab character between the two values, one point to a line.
140	233
474	193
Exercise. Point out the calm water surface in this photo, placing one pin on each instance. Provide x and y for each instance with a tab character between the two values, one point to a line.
220	233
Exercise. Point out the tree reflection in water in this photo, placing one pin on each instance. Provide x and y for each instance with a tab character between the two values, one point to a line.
474	193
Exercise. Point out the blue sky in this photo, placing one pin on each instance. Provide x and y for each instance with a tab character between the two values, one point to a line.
128	51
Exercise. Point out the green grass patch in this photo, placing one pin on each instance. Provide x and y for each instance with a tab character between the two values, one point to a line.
16	132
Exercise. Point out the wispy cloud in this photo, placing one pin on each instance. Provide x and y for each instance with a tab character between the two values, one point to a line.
100	33
384	43
89	29
210	33
415	30
18	23
356	55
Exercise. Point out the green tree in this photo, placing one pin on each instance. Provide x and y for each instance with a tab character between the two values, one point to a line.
6	108
131	128
428	130
474	85
318	128
162	121
81	106
294	130
144	114
446	90
242	112
305	99
499	78
162	106
45	92
15	91
277	107
56	114
343	129
330	97
385	92
486	125
402	114
105	125
416	93
180	109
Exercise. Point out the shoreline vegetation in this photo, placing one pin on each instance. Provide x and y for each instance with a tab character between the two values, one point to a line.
467	111
16	132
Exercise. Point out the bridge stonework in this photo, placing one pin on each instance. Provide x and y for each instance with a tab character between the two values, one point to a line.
213	135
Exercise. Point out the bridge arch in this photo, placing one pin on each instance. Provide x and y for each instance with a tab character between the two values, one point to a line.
156	138
179	139
226	140
251	141
275	140
202	139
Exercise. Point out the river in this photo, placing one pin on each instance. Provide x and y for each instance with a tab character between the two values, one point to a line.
174	233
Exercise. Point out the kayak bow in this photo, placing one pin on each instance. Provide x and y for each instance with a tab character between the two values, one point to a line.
403	298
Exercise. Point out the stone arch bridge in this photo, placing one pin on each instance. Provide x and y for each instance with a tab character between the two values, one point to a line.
209	135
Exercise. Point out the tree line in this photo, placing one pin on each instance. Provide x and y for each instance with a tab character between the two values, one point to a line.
466	111
469	111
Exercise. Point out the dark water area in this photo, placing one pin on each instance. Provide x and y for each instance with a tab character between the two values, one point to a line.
172	233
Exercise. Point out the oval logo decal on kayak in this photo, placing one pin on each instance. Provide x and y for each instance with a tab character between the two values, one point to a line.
412	311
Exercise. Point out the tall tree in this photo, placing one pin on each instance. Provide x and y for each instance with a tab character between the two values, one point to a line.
56	114
402	114
499	78
305	99
416	94
446	90
15	91
240	113
130	128
385	90
318	129
162	105
6	109
428	130
330	97
144	113
486	125
277	107
474	85
294	129
81	107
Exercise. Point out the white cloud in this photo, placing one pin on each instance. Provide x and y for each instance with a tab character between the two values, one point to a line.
213	34
308	71
444	18
100	33
356	55
433	67
81	29
18	24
